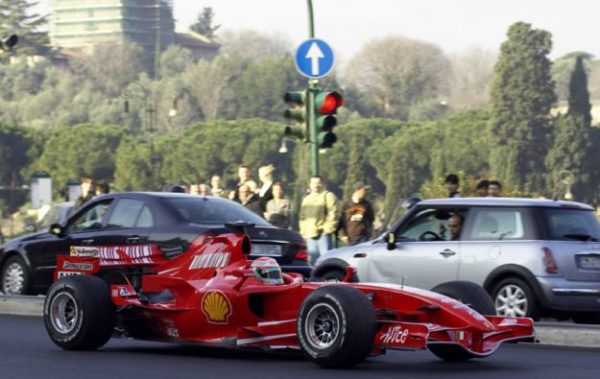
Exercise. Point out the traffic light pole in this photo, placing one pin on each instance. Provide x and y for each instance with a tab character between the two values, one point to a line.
312	84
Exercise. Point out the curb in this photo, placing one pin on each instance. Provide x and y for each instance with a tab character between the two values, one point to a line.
547	333
22	305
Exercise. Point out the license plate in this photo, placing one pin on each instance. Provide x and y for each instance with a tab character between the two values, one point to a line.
265	250
592	262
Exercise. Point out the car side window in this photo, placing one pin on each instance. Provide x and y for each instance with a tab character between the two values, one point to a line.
424	226
91	219
497	224
145	220
125	214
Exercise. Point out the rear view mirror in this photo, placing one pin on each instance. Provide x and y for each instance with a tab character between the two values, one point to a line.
390	238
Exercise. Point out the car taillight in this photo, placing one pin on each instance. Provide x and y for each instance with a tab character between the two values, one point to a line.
301	254
550	265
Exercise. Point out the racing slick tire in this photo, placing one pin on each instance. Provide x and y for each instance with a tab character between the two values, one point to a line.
477	298
336	326
79	313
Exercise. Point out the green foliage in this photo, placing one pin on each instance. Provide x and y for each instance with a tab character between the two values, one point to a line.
14	144
522	95
17	17
71	152
579	97
204	23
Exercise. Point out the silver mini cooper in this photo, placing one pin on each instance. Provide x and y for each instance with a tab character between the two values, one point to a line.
534	257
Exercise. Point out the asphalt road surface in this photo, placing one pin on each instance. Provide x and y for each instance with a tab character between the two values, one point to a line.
27	352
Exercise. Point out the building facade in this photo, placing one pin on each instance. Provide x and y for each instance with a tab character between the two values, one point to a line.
82	24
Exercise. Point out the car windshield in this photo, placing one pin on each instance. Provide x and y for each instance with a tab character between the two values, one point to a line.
572	224
203	210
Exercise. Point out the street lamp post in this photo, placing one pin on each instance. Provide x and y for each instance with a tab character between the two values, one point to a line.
149	126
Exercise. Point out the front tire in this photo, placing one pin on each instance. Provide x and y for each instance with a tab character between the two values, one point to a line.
476	298
336	326
78	313
15	276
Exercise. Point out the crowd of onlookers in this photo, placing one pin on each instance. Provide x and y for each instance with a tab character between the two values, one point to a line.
322	218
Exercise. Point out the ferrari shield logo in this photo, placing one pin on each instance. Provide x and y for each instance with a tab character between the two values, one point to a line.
216	307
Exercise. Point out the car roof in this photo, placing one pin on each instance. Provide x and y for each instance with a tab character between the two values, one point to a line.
504	202
163	195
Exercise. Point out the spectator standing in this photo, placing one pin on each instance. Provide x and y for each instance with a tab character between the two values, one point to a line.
318	217
265	175
88	191
452	183
278	209
357	217
204	189
102	188
216	182
482	188
494	188
249	198
245	177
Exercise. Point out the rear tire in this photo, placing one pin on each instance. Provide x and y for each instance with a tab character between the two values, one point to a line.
514	298
15	276
476	298
336	326
79	313
332	276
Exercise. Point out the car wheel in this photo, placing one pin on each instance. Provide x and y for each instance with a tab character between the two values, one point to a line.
78	313
336	326
476	298
15	276
332	276
514	298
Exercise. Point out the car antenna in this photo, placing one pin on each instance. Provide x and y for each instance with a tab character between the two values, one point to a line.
402	282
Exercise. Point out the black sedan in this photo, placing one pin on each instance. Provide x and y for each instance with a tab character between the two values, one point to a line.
134	222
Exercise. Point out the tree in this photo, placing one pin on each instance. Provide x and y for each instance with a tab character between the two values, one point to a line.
472	73
579	97
18	17
522	95
252	45
562	69
393	74
572	148
204	23
71	152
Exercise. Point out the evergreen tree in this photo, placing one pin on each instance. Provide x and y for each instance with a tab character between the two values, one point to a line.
572	149
522	95
579	97
204	23
17	17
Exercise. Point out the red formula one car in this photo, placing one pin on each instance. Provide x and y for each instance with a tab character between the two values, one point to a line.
212	295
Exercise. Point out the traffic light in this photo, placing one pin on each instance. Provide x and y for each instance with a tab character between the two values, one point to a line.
7	43
326	105
296	115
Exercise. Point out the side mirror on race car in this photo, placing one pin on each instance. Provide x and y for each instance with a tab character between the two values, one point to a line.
390	238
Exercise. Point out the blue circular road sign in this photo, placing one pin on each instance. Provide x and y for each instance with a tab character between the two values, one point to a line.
314	58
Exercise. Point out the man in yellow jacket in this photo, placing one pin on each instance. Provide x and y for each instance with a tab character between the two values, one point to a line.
318	218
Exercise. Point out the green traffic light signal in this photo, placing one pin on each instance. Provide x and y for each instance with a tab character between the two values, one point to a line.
326	105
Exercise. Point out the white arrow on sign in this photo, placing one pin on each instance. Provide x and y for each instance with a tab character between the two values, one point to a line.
314	54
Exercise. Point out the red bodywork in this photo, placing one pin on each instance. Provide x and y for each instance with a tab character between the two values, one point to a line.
209	296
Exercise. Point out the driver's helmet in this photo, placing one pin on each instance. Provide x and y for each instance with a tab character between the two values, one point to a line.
267	270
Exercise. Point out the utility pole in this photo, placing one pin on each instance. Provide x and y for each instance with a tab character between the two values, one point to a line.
312	85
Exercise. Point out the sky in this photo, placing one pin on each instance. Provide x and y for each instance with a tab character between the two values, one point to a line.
454	25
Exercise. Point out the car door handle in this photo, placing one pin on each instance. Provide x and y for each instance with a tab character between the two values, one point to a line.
133	239
87	242
447	253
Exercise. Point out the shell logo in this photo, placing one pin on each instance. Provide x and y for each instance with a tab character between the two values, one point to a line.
216	307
